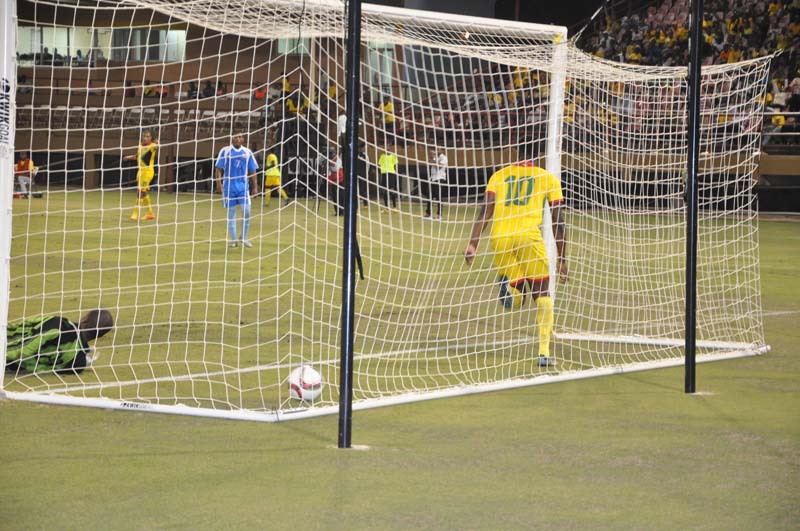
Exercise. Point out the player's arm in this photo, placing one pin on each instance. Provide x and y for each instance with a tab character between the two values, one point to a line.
480	225
254	183
253	173
218	173
560	233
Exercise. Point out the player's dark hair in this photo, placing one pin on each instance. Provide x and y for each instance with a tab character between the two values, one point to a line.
95	324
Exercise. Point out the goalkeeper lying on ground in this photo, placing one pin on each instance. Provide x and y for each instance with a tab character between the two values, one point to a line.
55	343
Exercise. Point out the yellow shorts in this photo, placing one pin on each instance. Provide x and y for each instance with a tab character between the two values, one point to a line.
521	256
143	178
272	181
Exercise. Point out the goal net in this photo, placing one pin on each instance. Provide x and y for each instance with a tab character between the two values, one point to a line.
205	328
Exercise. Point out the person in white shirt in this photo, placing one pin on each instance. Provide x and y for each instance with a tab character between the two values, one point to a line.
437	176
335	181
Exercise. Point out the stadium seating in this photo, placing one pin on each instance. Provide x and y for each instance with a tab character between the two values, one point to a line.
733	30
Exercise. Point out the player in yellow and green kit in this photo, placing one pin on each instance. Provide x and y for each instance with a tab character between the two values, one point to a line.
146	156
272	178
514	203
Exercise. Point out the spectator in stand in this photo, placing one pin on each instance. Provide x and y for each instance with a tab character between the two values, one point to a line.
80	60
221	90
23	86
208	90
153	90
733	30
260	93
192	93
46	58
25	172
129	92
387	110
297	104
780	96
58	59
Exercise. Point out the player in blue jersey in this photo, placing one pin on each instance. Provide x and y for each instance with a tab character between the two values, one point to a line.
235	164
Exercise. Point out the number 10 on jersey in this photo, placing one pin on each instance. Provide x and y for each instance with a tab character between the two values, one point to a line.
519	190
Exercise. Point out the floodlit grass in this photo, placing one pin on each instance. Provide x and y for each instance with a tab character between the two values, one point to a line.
628	451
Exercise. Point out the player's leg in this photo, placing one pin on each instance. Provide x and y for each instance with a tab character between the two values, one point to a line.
544	319
384	185
395	181
437	198
23	184
427	190
139	184
275	182
147	178
267	193
230	206
508	272
246	222
533	259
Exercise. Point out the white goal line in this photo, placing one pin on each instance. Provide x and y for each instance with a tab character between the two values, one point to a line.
370	403
729	347
278	366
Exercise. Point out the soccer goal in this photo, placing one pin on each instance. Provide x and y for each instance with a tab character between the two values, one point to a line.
205	328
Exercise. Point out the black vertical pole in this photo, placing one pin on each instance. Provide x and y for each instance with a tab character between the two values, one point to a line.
695	46
352	99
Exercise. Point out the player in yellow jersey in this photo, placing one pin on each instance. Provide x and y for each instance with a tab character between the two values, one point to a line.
514	203
272	178
146	156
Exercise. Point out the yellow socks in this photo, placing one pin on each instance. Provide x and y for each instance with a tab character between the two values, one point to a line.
284	195
544	322
146	202
141	202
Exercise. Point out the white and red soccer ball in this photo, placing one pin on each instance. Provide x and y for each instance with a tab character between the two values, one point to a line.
305	383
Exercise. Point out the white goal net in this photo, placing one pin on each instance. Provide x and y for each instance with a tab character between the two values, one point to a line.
203	327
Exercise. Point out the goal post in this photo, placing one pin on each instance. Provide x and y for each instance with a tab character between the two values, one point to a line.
8	82
206	328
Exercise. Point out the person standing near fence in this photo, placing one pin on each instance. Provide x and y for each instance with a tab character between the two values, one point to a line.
437	175
387	165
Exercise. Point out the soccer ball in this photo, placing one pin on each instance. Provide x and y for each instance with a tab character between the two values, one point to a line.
305	383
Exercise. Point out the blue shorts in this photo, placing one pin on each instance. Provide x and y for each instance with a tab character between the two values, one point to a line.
232	201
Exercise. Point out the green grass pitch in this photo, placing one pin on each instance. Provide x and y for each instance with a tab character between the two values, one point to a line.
624	452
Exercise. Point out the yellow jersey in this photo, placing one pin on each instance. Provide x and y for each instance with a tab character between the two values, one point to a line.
146	156
387	163
520	191
272	166
388	112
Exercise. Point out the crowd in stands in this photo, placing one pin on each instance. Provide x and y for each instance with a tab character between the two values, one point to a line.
733	30
54	58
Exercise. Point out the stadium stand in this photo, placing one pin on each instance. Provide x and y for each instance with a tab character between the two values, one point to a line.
733	30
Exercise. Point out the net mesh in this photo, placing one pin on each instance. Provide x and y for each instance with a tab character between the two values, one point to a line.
201	324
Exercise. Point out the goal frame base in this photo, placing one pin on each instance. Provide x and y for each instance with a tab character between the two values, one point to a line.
371	403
